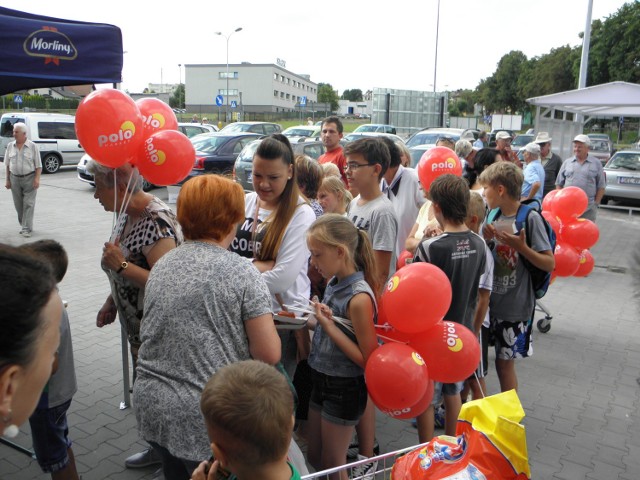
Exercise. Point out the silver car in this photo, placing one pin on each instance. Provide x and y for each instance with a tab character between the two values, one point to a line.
622	174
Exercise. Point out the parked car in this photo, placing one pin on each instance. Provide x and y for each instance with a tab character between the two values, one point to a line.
86	177
262	128
54	133
521	141
601	149
416	153
243	166
350	137
622	176
429	136
217	152
193	129
375	127
302	132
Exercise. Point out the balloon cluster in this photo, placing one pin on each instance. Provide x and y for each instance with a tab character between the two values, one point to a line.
114	130
575	236
421	347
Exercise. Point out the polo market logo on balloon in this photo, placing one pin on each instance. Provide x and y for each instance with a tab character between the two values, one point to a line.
454	343
124	134
417	358
156	156
447	165
155	120
393	283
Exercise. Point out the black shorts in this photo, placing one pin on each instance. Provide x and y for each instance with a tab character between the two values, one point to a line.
341	400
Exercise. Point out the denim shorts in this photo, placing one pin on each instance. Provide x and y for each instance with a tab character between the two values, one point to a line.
49	431
440	389
341	400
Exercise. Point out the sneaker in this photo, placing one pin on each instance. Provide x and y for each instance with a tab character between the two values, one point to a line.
143	459
366	471
354	449
26	233
438	420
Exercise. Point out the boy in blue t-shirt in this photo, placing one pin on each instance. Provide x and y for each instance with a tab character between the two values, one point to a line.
49	429
512	299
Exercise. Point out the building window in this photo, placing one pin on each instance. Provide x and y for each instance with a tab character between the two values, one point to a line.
232	91
275	93
288	96
282	78
281	94
275	76
224	75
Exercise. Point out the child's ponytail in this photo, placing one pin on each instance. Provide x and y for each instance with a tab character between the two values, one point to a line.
365	261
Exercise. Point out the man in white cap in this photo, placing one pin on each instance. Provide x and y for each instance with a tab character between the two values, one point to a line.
534	174
551	162
503	145
585	172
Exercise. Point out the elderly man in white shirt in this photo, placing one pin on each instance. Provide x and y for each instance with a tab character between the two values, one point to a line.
24	167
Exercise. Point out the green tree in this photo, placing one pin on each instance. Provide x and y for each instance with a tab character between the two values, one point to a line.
354	95
614	54
177	99
326	94
549	73
506	77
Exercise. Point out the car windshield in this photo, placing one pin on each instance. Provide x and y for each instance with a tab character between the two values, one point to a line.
298	132
599	146
207	144
246	155
522	140
429	138
237	127
416	155
628	161
7	126
366	128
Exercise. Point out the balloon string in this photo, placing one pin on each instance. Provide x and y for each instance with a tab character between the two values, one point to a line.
115	206
475	374
125	202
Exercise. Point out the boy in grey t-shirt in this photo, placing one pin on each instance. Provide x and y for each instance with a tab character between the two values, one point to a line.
512	299
367	161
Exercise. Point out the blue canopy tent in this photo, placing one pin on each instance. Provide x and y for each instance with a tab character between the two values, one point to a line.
40	51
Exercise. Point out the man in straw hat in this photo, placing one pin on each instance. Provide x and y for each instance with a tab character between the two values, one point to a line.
551	162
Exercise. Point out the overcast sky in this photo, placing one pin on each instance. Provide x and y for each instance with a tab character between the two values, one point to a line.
348	43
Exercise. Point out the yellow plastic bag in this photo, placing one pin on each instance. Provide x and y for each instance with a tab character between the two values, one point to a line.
489	443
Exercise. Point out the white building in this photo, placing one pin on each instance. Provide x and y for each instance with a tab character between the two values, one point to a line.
253	88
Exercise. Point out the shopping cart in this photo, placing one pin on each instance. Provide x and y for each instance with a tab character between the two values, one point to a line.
383	470
543	324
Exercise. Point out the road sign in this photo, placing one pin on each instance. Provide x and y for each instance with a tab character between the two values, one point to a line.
303	101
17	98
219	100
234	104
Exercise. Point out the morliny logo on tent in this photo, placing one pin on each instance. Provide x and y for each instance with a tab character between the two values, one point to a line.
50	44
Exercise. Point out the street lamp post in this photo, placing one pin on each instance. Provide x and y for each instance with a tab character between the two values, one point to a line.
180	96
227	93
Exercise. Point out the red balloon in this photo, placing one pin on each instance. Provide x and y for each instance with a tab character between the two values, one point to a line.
166	157
417	409
570	202
567	260
416	297
109	127
435	162
451	351
396	377
402	259
549	201
581	233
586	264
554	221
156	116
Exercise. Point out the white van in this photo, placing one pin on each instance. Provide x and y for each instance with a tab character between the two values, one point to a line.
54	133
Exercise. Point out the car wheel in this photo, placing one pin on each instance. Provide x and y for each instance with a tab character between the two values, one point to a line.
51	163
146	185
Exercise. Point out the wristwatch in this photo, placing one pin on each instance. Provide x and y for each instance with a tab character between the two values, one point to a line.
123	266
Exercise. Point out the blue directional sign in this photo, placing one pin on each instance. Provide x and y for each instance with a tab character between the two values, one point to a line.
219	100
234	104
303	101
17	98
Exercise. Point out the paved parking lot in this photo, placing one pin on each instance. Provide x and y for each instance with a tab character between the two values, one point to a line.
579	390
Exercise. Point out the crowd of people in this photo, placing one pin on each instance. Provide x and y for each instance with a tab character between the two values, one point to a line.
196	293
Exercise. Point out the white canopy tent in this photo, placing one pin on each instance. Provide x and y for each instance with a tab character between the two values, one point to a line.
613	99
